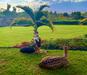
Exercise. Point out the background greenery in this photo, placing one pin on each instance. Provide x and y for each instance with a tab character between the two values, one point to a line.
65	18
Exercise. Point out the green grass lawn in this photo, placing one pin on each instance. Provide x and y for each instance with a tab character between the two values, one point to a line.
11	36
12	62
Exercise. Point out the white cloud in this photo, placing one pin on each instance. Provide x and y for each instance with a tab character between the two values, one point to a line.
34	3
73	0
68	0
31	3
26	1
63	0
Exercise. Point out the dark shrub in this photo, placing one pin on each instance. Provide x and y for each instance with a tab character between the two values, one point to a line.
74	44
55	44
76	22
85	36
29	49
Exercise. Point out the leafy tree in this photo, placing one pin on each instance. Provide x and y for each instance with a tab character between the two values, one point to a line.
66	14
14	9
55	13
84	14
76	15
8	7
39	18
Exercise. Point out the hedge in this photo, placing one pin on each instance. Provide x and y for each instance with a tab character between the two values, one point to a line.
76	22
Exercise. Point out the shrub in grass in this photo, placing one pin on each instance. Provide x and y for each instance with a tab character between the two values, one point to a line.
85	35
76	22
51	44
78	44
74	44
55	44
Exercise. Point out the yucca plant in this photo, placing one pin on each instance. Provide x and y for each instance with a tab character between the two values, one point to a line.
39	18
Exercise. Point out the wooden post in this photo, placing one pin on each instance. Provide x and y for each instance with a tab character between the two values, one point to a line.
65	48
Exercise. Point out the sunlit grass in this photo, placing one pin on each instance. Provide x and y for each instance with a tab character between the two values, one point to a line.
13	62
11	36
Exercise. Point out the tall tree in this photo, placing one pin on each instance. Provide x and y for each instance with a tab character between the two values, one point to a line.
8	7
65	14
76	15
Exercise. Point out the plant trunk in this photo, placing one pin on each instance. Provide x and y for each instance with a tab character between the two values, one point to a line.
37	41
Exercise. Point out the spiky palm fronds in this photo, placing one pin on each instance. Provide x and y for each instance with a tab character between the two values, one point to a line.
37	16
44	22
42	7
29	11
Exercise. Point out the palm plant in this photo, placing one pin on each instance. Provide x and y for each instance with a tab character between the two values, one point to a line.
37	18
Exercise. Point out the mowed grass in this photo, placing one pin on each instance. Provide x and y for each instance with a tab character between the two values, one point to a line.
12	62
12	36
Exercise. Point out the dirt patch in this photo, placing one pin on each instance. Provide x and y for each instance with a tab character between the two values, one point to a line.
3	61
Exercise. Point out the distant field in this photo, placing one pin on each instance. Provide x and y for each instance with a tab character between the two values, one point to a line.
11	36
12	62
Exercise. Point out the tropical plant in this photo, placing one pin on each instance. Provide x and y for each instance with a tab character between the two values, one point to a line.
39	18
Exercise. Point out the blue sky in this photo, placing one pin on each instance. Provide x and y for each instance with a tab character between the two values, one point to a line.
55	5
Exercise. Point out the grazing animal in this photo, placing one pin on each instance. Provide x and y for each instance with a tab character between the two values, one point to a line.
55	62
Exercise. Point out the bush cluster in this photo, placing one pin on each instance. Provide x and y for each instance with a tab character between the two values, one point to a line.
72	22
76	22
73	44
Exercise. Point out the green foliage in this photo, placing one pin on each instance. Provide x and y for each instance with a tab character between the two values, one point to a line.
67	22
74	44
8	7
77	15
29	11
85	35
42	7
66	14
37	15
